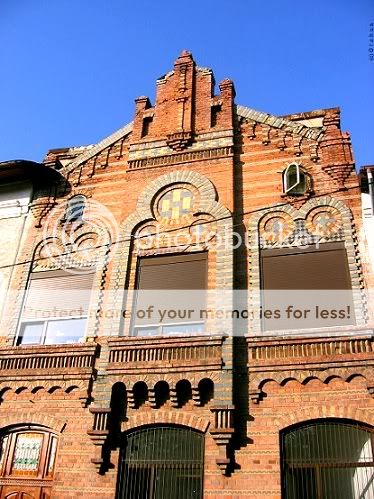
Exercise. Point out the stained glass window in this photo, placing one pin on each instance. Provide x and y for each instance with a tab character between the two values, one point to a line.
3	444
27	453
52	456
176	203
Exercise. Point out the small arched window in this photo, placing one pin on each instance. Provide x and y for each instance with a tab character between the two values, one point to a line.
295	181
75	209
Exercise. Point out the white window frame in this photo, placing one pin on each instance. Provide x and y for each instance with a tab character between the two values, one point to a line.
22	321
286	187
45	324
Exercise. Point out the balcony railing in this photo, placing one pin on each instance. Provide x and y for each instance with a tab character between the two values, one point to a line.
160	353
315	347
267	354
50	360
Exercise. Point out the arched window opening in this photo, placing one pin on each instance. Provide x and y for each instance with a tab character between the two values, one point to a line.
75	209
140	392
27	460
162	393
184	392
328	459
206	391
162	462
295	181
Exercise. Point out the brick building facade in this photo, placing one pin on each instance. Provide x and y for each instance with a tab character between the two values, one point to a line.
82	399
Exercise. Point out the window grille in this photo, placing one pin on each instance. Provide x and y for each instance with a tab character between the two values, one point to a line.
328	460
162	463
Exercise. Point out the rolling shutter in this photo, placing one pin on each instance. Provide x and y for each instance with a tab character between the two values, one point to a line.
306	278
171	283
173	272
325	267
57	294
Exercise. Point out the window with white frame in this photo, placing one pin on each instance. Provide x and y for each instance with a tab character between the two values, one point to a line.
166	283
295	181
55	308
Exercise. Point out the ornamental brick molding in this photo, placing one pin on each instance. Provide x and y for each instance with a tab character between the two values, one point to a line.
166	417
179	140
144	212
305	414
31	417
347	233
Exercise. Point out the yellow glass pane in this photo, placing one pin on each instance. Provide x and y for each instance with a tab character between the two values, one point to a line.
176	195
175	213
165	205
186	203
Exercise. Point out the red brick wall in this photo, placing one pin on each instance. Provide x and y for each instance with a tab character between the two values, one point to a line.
247	178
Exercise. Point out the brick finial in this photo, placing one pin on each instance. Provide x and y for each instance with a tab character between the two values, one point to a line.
184	58
227	87
142	102
336	149
228	94
331	119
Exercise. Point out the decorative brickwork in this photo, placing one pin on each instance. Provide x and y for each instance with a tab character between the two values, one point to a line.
262	234
192	163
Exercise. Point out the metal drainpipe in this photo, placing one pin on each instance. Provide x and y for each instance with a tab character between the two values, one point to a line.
371	189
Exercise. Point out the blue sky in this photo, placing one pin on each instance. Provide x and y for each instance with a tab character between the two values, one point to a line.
70	69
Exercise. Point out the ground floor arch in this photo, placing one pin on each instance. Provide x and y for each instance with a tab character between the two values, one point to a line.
328	459
161	462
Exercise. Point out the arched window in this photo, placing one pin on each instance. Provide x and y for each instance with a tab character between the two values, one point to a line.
75	209
328	459
162	462
295	181
27	461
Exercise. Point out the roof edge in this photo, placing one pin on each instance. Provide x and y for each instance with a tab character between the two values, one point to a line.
279	122
96	149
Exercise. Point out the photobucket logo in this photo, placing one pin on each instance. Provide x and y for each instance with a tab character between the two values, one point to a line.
78	233
197	235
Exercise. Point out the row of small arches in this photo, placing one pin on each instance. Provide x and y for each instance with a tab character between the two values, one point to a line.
159	394
23	389
322	379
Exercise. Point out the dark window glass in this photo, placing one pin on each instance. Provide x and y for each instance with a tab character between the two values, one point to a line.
75	209
294	179
162	463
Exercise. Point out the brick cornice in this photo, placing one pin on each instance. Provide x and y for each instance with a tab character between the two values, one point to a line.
278	122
